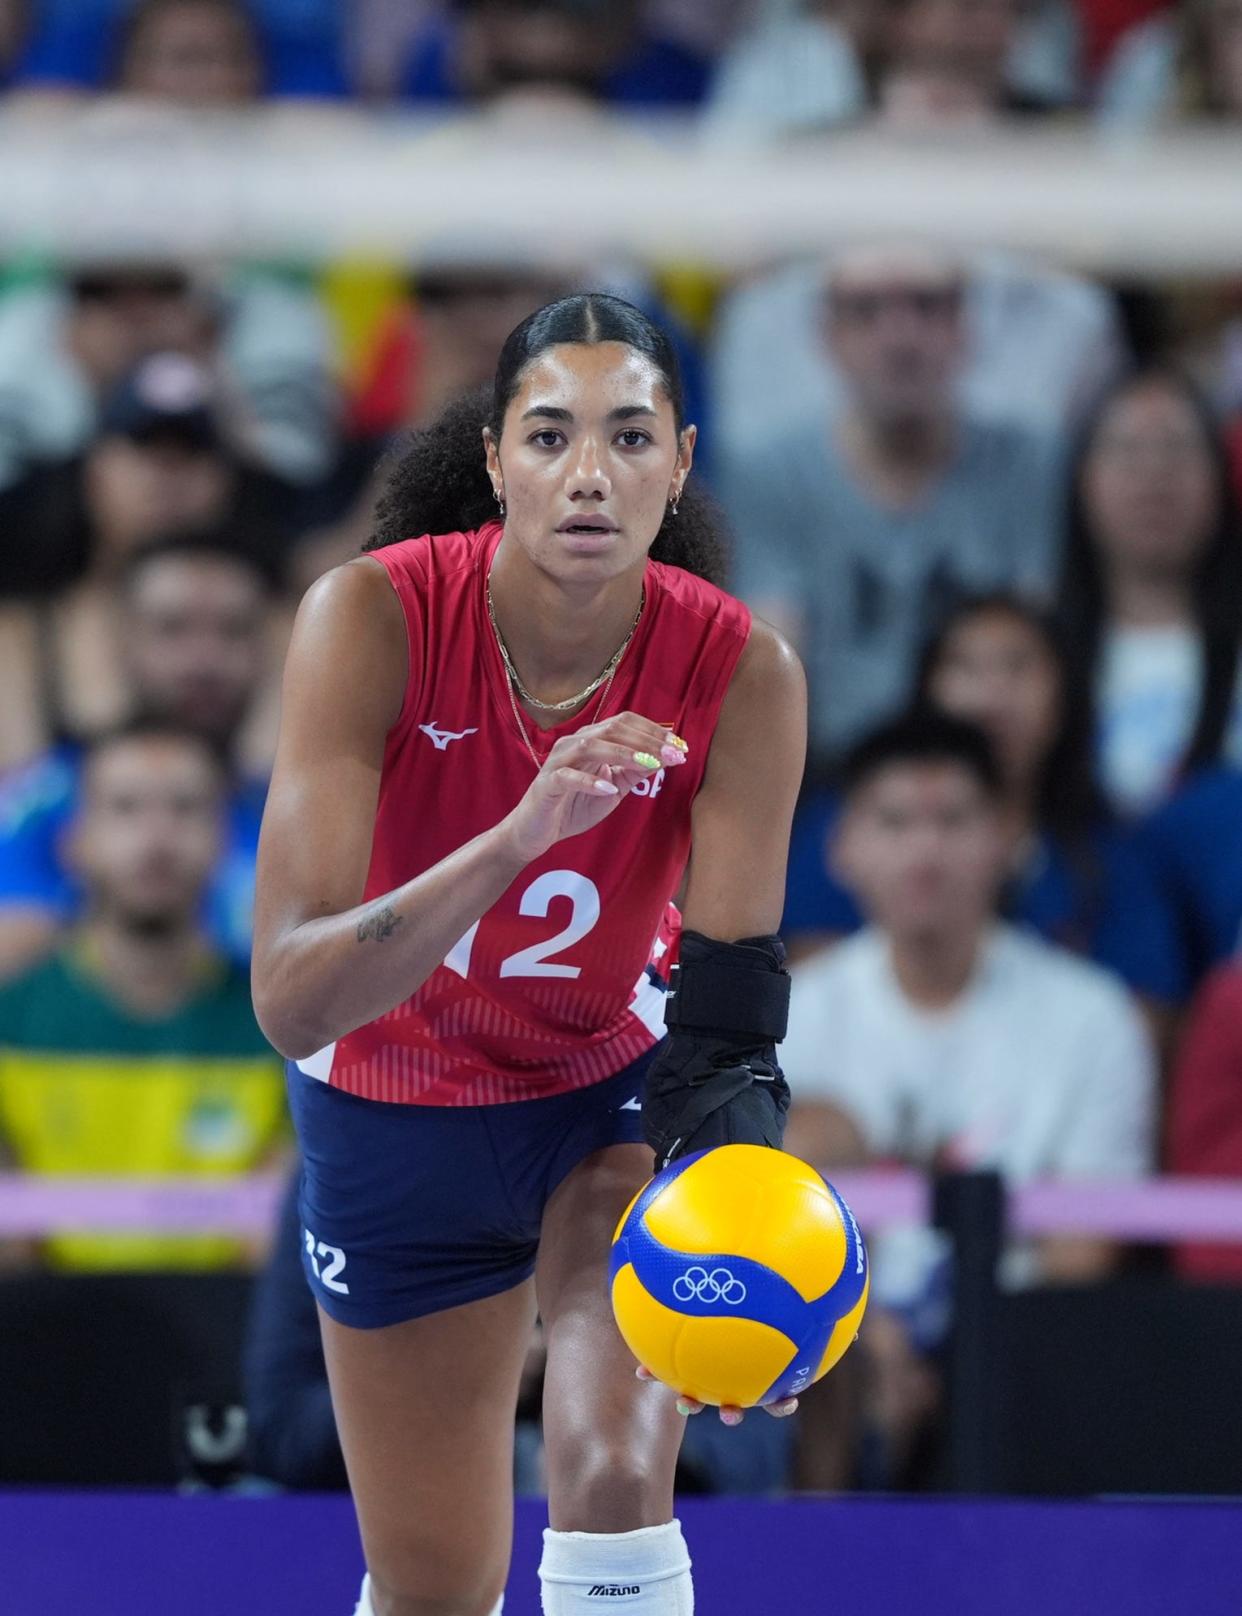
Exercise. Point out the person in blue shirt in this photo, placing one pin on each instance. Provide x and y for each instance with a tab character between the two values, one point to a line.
1195	843
195	51
195	626
476	49
1079	879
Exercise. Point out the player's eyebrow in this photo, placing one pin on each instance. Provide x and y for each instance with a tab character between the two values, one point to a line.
554	412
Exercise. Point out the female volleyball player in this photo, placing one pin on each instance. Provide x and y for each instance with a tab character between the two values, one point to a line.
504	748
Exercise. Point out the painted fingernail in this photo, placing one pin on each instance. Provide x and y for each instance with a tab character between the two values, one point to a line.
684	1408
671	757
607	787
730	1416
646	760
676	740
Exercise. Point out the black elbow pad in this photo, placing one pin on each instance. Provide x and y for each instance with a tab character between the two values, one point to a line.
717	1081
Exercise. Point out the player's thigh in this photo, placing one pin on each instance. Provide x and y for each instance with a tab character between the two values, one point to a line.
425	1413
611	1440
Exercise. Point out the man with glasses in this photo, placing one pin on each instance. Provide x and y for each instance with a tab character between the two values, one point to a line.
856	537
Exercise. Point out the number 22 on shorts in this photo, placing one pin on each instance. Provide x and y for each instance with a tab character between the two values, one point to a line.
327	1275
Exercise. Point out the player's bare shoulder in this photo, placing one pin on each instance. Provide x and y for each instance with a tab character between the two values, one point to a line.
768	684
350	637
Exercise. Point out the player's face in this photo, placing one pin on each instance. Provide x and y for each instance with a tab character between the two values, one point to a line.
589	459
999	672
921	847
149	830
1149	481
195	641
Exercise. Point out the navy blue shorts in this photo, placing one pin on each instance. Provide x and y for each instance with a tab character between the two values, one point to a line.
410	1209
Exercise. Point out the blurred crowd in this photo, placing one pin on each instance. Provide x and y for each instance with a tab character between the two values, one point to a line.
993	502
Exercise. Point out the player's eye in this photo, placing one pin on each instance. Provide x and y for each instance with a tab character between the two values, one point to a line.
633	438
546	438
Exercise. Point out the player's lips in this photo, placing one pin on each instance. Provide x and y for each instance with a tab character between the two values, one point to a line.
588	524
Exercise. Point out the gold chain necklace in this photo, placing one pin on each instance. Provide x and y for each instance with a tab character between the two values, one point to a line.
521	722
605	679
570	701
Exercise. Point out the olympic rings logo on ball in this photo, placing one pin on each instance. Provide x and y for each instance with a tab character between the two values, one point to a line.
697	1285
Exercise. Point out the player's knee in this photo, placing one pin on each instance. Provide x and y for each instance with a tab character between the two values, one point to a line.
608	1487
421	1580
394	1598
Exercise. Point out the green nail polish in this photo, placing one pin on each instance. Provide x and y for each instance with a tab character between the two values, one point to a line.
683	1407
646	759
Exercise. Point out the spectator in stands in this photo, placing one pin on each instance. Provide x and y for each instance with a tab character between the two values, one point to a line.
940	1038
161	467
944	64
1205	1112
798	70
1186	61
1194	843
477	50
191	53
64	349
202	51
1039	341
1151	587
808	67
14	36
854	533
133	1050
1073	876
193	637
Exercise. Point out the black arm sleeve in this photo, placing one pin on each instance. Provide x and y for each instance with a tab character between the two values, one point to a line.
717	1080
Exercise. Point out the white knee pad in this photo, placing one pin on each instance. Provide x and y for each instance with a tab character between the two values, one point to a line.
642	1573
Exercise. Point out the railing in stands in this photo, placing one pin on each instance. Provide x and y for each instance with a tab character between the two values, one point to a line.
1154	1209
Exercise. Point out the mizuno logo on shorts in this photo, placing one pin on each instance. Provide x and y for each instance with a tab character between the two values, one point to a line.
614	1589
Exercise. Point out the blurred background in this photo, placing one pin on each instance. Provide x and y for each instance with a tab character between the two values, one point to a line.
957	290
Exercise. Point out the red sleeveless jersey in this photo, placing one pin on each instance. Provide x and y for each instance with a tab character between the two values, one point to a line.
561	983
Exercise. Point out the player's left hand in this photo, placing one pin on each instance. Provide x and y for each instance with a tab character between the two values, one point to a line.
729	1414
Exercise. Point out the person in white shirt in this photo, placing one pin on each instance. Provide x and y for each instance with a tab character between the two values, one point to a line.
940	1038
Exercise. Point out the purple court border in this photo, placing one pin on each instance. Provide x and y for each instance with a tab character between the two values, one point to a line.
1143	1209
112	1554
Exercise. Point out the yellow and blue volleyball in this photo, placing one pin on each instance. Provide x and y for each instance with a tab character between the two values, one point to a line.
738	1276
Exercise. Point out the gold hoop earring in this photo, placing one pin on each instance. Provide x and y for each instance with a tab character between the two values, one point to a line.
498	496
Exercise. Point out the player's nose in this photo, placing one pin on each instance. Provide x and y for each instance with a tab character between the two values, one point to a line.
587	477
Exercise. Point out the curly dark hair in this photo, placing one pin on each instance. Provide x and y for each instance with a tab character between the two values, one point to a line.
436	479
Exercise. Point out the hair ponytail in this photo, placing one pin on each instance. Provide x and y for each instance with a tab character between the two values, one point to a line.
436	480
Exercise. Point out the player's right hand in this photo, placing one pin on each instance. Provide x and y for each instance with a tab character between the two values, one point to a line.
729	1413
585	777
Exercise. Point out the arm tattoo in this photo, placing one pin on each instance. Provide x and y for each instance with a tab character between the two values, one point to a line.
379	925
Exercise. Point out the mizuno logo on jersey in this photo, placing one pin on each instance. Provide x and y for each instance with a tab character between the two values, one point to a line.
634	1104
440	738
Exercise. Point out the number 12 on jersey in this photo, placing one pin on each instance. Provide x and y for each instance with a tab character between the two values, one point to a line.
536	902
